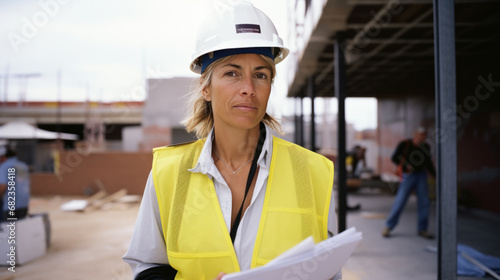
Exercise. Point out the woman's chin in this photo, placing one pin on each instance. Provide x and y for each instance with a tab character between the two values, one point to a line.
244	123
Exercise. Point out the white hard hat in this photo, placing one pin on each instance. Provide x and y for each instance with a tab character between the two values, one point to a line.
236	26
421	129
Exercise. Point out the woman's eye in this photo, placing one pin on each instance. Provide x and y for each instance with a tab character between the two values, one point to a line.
230	74
261	76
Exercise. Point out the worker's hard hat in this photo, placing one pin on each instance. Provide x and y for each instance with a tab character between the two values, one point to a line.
237	28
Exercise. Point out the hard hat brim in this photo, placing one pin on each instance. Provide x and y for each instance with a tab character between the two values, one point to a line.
195	65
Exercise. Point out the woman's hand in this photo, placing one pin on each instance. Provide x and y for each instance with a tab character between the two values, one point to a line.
219	277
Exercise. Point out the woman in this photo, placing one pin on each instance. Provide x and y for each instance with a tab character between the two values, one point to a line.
238	197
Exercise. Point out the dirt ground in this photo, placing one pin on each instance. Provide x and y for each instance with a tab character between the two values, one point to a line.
83	245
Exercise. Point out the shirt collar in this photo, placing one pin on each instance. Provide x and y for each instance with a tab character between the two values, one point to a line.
206	164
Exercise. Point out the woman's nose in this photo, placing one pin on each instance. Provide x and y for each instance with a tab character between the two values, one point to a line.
247	86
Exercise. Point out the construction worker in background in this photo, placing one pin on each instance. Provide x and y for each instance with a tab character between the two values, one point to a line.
14	185
210	206
354	158
413	159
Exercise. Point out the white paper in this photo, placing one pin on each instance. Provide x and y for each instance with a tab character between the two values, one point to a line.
319	262
306	245
75	205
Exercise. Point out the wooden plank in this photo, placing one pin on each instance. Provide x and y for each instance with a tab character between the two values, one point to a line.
110	198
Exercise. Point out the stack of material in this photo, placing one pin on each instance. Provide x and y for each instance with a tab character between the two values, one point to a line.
101	201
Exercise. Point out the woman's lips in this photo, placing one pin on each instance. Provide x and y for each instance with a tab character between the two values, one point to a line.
245	107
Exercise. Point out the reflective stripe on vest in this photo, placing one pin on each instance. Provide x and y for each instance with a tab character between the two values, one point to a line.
296	206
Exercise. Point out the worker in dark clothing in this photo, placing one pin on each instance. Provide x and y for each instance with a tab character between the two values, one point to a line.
354	158
412	156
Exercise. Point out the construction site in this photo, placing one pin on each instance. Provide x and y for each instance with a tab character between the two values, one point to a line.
89	160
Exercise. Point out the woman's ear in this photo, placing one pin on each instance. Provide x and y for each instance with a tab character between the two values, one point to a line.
206	95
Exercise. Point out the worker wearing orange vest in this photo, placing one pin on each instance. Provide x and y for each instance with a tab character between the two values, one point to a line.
238	197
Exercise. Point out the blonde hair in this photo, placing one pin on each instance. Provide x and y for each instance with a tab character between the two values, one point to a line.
201	118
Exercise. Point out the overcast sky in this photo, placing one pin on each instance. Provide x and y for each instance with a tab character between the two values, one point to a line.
106	46
103	50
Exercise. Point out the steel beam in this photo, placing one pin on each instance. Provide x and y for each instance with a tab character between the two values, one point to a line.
311	92
340	93
301	121
297	120
446	137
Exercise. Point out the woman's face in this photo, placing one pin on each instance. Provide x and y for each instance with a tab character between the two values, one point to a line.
239	91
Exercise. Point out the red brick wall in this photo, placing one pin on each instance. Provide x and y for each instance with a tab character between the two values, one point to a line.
78	171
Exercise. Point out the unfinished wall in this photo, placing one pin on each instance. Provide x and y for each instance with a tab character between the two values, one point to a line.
164	110
398	117
478	129
78	171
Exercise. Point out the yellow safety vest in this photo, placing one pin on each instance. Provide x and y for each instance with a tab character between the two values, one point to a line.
296	206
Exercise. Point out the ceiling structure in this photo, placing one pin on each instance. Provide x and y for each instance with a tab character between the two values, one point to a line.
389	45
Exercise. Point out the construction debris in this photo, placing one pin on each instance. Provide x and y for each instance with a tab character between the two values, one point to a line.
75	205
129	199
101	201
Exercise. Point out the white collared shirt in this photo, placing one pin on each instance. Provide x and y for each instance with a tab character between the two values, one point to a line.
147	246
